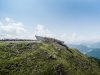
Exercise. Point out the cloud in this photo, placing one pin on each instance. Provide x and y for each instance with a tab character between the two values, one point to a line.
42	31
11	29
0	23
69	38
7	19
75	38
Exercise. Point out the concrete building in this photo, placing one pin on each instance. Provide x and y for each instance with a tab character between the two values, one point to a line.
47	39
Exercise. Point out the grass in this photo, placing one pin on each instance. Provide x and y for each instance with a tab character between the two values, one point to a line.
44	59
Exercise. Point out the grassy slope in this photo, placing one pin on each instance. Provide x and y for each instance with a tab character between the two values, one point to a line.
44	59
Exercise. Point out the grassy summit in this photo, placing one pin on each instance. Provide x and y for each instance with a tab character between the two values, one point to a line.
45	58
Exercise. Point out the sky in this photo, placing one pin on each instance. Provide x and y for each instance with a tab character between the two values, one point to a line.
73	21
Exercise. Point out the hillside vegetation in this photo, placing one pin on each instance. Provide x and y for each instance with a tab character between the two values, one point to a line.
45	58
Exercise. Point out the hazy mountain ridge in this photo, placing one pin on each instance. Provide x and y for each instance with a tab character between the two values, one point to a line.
80	47
92	49
94	53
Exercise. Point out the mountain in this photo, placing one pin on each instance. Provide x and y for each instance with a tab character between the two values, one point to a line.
94	53
91	49
49	57
94	45
82	48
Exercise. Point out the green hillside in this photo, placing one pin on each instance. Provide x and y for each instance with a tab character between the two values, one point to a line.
45	58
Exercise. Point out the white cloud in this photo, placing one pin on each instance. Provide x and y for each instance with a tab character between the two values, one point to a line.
0	23
42	31
7	19
75	38
71	38
11	28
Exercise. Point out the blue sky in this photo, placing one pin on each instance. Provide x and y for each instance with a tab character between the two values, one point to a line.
74	18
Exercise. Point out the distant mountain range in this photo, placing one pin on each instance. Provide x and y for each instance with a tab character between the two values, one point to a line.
92	49
82	48
93	45
94	53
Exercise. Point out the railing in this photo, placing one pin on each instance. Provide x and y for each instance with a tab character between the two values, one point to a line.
17	40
